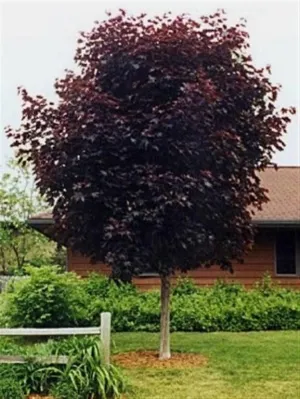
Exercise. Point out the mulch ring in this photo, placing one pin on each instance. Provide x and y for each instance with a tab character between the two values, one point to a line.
39	397
151	359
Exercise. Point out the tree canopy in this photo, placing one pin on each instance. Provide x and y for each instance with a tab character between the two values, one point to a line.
150	156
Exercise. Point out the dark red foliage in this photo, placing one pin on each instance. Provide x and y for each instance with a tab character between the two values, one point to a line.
150	157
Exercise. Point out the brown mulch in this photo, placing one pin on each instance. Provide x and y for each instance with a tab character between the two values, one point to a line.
33	396
150	359
39	397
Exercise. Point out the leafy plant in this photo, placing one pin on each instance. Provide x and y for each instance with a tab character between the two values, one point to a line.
184	286
87	375
65	390
84	376
266	285
98	285
20	244
222	307
47	299
10	388
32	377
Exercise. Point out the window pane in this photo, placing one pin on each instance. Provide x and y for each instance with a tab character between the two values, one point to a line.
286	253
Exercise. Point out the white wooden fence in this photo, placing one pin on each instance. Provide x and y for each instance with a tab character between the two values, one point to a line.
104	330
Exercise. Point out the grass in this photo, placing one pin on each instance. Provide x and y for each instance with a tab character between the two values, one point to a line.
256	365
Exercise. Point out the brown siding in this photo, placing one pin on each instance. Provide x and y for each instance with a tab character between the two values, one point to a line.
259	261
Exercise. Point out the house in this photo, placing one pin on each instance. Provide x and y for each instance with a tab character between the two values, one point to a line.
277	243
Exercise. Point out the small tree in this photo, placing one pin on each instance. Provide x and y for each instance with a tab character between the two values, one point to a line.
19	243
150	156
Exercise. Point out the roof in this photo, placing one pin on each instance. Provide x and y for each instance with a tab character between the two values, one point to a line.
283	187
284	193
41	218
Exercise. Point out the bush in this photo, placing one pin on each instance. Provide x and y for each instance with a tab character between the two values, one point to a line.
47	299
223	307
64	391
230	307
10	389
131	311
84	376
50	299
97	285
185	286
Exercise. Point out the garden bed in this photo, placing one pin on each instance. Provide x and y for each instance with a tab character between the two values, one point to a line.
151	359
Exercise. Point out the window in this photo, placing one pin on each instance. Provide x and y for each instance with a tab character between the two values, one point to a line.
150	273
286	253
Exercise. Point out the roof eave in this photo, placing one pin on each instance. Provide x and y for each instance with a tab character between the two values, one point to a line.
276	223
258	222
38	222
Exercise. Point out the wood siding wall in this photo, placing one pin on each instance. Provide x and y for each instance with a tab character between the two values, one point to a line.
259	261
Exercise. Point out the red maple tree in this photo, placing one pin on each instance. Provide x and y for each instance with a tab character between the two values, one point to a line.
149	159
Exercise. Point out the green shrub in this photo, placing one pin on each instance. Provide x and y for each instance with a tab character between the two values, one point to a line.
266	285
225	290
64	391
47	299
97	285
131	311
185	286
229	307
2	310
32	377
10	388
84	376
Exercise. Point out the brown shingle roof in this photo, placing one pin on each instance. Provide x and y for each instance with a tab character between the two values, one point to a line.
47	215
43	215
284	194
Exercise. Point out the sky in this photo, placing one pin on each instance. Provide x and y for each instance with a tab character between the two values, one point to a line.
38	41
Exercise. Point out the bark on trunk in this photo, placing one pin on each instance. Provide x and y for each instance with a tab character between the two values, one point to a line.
3	261
15	250
165	291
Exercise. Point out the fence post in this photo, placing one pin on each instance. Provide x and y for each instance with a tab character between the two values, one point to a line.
105	335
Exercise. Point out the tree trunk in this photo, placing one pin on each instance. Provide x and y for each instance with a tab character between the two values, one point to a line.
15	250
165	291
3	260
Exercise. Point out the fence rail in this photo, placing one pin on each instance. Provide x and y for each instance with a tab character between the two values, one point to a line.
48	332
34	359
104	330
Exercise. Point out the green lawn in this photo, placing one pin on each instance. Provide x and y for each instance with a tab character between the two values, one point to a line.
258	365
